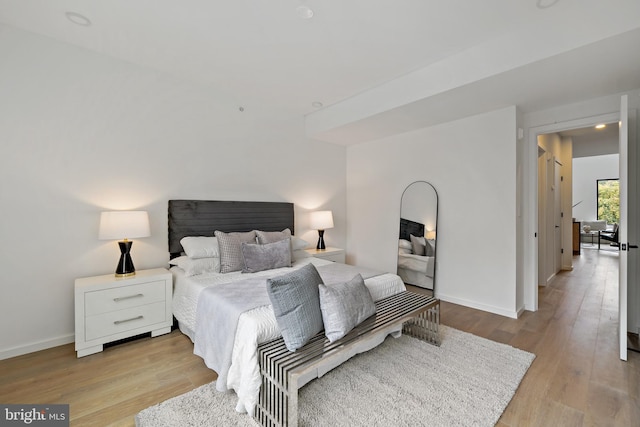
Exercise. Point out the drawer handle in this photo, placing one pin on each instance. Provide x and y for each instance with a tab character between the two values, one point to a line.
117	322
128	297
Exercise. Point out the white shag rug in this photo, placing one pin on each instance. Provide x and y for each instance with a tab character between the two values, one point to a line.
467	381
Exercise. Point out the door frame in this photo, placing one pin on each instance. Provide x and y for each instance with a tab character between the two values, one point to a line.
530	269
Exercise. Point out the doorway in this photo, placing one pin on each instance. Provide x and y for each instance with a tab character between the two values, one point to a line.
564	154
629	273
558	206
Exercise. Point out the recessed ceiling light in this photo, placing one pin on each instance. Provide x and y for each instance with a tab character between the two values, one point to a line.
78	19
304	12
545	4
601	126
316	104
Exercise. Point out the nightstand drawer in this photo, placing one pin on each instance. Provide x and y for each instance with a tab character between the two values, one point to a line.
105	324
107	300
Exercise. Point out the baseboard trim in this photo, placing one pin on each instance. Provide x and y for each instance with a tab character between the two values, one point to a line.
36	346
471	304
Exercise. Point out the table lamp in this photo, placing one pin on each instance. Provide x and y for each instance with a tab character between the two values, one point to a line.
124	225
321	220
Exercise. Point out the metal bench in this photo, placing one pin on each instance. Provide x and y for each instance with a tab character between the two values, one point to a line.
285	372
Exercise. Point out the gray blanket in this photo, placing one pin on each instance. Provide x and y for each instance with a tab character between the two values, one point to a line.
220	306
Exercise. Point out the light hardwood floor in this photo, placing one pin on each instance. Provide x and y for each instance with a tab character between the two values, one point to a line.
576	378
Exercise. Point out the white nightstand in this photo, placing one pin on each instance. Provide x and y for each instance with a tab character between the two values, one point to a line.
330	254
110	308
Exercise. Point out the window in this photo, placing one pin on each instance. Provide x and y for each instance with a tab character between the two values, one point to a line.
609	200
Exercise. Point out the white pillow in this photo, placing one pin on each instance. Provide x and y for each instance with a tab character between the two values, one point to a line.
404	244
404	251
200	246
298	244
193	267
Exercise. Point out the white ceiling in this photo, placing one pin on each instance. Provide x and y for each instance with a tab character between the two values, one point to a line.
590	141
261	54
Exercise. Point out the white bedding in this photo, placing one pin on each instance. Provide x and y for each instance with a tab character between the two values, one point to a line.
254	326
416	269
418	263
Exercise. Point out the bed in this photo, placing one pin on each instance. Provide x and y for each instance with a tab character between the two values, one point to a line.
416	255
200	297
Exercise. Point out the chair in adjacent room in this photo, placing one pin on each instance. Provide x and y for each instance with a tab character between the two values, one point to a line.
610	236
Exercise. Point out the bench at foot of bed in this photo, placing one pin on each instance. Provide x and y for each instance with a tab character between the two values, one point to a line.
285	372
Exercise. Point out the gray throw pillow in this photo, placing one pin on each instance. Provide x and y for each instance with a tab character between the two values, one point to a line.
266	257
344	306
418	245
230	245
296	305
429	249
265	237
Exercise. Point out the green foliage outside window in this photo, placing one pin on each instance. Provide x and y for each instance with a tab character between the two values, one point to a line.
609	200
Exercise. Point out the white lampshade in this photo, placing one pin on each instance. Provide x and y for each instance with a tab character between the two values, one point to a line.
321	220
124	225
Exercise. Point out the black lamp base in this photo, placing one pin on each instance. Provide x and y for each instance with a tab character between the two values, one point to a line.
320	245
125	265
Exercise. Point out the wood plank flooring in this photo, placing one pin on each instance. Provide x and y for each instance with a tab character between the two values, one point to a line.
576	378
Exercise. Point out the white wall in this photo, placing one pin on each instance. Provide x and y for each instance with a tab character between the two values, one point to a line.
586	171
472	164
556	149
82	133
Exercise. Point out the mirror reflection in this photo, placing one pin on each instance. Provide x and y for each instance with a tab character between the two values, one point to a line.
417	237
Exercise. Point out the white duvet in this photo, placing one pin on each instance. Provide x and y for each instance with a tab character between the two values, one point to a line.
254	327
418	263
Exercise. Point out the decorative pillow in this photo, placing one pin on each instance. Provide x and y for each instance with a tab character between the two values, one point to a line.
404	251
265	237
266	257
193	267
418	245
430	248
200	246
296	304
230	249
344	306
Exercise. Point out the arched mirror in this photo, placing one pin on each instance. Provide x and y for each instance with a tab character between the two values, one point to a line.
417	237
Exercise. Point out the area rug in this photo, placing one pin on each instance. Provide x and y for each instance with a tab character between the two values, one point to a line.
467	381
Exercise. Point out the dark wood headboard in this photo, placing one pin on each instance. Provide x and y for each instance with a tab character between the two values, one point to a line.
408	227
204	217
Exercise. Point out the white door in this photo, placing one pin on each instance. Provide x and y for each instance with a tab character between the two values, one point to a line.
624	223
550	240
557	216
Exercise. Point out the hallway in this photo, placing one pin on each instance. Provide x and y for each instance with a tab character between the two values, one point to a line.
577	377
